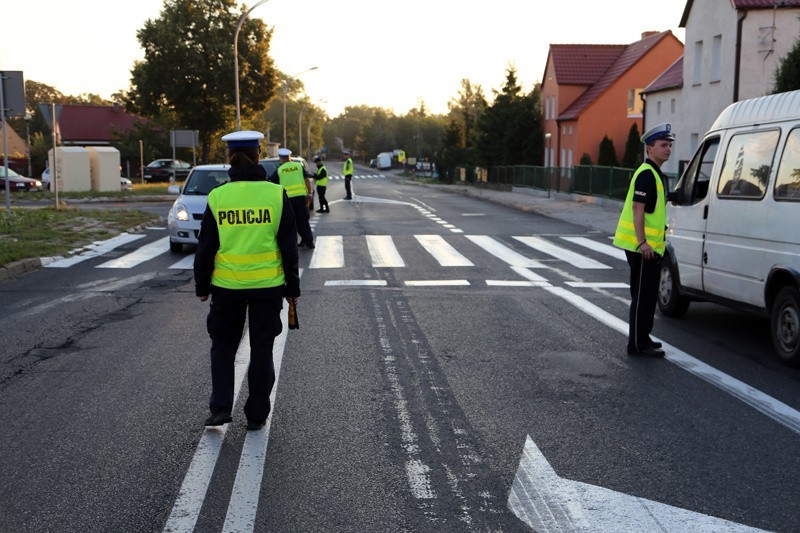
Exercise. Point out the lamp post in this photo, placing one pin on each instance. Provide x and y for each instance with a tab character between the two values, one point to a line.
236	61
28	118
285	84
547	137
300	129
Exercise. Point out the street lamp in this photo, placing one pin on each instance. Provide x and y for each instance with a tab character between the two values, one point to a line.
285	84
28	118
547	137
300	129
236	61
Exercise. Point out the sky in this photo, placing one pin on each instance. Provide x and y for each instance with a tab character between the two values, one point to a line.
391	55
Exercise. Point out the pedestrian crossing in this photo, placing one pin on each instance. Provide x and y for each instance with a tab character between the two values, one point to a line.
356	176
523	254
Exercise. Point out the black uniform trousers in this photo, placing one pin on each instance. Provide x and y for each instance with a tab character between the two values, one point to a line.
347	179
225	326
323	203
645	275
300	208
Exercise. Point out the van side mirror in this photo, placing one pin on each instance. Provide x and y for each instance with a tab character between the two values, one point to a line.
675	197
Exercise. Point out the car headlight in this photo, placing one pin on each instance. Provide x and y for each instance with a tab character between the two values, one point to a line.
181	213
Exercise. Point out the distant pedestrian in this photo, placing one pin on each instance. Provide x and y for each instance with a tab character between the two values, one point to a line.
347	170
641	232
322	185
247	262
292	176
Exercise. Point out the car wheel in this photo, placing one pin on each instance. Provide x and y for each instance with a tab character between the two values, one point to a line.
175	247
786	325
670	301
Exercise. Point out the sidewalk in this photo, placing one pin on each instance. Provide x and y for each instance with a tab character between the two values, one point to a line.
600	214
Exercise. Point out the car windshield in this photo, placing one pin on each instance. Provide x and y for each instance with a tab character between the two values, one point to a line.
11	173
269	166
201	182
161	163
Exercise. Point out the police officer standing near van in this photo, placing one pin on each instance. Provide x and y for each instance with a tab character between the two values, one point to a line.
347	170
641	232
292	176
247	262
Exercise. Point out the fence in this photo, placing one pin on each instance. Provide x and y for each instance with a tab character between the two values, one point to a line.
608	182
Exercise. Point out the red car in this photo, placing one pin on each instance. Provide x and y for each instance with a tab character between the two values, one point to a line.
17	182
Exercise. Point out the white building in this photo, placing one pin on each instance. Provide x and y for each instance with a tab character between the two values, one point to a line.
732	50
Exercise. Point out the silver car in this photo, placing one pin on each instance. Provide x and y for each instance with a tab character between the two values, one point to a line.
186	213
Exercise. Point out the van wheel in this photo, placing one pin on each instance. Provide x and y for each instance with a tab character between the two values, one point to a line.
175	247
786	326
670	301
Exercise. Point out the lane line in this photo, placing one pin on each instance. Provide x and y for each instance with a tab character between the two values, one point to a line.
356	283
774	409
438	283
597	285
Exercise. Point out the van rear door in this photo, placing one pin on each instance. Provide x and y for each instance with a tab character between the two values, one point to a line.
688	213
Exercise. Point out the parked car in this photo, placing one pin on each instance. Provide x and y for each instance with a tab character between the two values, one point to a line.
18	182
183	220
732	233
162	169
124	183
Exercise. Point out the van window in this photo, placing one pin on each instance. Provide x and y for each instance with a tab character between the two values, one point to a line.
693	186
787	186
747	165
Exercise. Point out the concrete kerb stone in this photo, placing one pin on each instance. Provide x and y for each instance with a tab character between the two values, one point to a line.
599	214
17	268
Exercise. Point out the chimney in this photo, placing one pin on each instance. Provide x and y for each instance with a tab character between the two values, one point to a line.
646	34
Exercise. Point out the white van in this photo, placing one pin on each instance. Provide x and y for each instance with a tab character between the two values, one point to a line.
733	232
384	160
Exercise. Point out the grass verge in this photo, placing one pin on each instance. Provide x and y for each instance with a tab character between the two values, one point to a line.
28	233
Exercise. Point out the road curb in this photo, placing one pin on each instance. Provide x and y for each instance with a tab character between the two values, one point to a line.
17	268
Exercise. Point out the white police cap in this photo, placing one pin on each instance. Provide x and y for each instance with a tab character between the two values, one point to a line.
284	152
662	131
243	139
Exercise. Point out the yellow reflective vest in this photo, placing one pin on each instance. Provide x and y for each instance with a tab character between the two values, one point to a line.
322	182
248	214
655	223
292	178
348	167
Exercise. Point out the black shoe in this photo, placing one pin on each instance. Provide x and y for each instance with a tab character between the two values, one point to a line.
647	351
218	419
320	210
255	425
655	344
348	197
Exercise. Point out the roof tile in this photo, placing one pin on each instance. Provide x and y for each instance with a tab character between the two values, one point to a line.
93	123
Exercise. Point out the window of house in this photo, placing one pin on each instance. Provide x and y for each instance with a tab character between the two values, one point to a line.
547	108
635	102
563	130
716	58
787	185
570	130
658	108
747	165
697	71
569	158
563	157
672	106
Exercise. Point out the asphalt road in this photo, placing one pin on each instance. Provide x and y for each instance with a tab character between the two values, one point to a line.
451	373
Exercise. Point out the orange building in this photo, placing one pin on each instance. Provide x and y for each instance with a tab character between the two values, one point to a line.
590	91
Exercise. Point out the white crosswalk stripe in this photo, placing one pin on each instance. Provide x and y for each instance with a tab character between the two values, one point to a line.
612	251
383	251
145	253
563	254
328	253
95	251
442	251
503	252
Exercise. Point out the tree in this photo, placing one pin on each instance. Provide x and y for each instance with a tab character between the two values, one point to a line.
607	156
586	160
188	67
459	134
633	149
787	75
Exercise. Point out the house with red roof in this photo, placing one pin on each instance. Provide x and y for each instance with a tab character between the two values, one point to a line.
94	125
590	91
661	104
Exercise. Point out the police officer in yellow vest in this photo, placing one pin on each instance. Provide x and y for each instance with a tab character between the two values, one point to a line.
322	185
247	261
292	176
347	170
641	232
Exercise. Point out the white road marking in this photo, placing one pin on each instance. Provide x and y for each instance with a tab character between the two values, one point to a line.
328	252
563	254
598	285
356	283
442	251
612	251
503	252
774	409
527	274
97	249
516	283
383	252
187	263
549	503
145	253
438	283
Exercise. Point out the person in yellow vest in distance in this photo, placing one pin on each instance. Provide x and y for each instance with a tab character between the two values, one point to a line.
347	170
292	176
247	262
322	185
641	232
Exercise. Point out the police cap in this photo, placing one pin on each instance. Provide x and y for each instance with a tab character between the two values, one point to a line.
284	152
243	139
660	132
317	159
